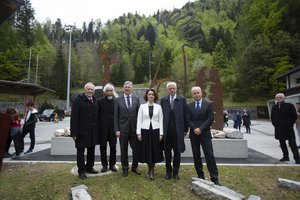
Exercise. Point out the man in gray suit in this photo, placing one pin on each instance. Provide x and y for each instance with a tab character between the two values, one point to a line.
125	119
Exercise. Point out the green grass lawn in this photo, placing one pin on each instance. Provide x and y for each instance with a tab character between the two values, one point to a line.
54	181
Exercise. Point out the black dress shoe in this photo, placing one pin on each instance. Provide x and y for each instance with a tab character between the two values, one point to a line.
284	159
8	155
91	171
215	181
82	175
136	170
113	168
176	177
297	161
168	176
201	176
104	169
125	173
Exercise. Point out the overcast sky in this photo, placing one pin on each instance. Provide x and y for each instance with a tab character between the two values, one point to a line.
75	11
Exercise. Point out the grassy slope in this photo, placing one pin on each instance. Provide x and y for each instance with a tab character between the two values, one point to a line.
53	181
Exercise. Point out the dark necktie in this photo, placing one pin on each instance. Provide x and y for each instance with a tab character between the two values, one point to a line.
198	106
128	101
91	99
172	102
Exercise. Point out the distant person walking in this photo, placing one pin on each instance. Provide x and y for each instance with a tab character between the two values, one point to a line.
237	121
298	120
85	130
225	115
30	121
247	121
283	117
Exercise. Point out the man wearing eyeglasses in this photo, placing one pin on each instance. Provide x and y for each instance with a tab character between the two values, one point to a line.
283	117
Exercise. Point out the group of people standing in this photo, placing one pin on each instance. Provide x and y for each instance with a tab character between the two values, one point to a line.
154	131
17	133
238	120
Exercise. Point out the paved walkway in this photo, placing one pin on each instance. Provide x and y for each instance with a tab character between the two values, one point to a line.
262	146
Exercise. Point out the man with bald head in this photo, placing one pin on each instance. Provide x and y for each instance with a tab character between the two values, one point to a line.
200	117
283	117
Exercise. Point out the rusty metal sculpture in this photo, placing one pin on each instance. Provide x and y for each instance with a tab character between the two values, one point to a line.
207	77
209	80
186	25
108	57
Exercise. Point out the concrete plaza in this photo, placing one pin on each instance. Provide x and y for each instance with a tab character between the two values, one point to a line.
262	146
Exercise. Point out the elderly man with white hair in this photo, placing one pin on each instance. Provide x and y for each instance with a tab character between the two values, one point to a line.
283	117
175	127
106	125
84	129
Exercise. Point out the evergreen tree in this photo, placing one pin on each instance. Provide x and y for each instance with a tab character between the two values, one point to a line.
59	75
24	22
91	36
150	35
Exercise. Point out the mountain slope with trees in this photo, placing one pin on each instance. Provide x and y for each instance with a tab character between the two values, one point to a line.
250	42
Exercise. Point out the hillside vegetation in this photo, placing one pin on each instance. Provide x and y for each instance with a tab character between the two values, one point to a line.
250	42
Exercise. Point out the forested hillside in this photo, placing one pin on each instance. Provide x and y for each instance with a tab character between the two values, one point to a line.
250	42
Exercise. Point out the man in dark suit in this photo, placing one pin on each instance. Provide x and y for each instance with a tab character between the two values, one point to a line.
175	128
283	117
125	119
200	117
84	129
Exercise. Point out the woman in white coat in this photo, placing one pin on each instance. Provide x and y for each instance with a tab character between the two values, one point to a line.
150	132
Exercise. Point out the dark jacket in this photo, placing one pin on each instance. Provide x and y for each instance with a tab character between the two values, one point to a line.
106	121
125	119
84	122
246	119
202	119
30	123
180	118
283	120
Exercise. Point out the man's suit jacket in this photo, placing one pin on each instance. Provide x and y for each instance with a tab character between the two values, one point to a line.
180	118
202	119
125	118
84	122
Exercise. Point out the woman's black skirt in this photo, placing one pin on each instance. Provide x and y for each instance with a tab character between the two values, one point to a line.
151	149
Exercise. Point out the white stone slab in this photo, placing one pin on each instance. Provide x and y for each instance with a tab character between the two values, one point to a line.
223	148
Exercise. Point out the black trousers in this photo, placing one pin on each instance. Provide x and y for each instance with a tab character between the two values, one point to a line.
196	142
132	139
172	144
90	159
247	128
112	155
31	136
294	148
